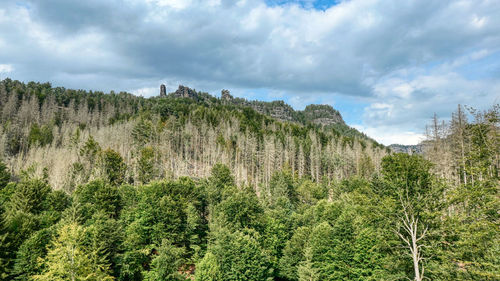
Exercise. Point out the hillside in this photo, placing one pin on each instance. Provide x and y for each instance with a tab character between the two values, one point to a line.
186	186
184	133
322	115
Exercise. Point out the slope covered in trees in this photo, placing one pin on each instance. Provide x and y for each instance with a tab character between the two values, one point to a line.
74	134
119	214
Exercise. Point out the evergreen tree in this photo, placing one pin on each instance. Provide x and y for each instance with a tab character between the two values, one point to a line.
4	175
166	264
68	259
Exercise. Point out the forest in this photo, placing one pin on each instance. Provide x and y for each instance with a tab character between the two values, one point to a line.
112	186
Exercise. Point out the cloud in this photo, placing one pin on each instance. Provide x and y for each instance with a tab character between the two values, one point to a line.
6	68
389	135
411	56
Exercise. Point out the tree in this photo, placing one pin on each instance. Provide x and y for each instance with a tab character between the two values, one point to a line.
166	263
4	175
306	270
208	269
219	183
281	186
68	259
26	211
29	196
31	251
97	196
411	232
240	210
240	256
146	165
40	135
113	166
294	254
409	182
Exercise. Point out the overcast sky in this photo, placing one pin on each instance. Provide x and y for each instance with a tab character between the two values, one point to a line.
387	66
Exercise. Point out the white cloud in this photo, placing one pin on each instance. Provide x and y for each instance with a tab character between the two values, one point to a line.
6	68
176	4
146	92
404	60
389	135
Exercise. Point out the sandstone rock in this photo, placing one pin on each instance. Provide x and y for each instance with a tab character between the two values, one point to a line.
163	90
185	92
226	96
408	149
322	114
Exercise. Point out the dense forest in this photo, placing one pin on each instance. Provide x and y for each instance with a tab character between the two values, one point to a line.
97	186
69	132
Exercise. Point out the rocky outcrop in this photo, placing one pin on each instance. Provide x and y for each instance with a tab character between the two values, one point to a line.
226	96
322	114
315	114
408	149
276	109
185	92
163	90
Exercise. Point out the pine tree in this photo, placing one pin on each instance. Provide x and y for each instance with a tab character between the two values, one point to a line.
68	259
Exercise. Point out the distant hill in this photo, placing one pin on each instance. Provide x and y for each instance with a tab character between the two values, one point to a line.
68	134
314	114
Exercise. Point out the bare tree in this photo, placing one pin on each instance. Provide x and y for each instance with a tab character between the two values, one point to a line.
410	232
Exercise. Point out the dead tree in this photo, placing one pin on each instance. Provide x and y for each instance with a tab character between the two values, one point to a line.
412	235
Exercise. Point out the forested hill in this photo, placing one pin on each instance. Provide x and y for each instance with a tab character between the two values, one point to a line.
65	133
323	115
186	186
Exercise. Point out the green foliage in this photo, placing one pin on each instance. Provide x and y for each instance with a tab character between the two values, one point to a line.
30	205
68	259
29	254
143	132
166	263
208	269
408	173
40	135
4	175
281	187
294	253
239	210
90	150
97	196
310	193
240	256
28	197
333	218
146	165
220	184
366	167
113	166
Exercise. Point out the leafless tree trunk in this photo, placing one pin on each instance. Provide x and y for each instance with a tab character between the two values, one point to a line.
410	233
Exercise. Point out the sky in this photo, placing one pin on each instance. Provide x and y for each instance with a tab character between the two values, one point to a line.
387	66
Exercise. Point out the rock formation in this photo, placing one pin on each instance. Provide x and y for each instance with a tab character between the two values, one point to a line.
408	149
315	114
163	91
185	92
322	114
226	96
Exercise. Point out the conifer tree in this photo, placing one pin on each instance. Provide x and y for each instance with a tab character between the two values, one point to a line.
68	259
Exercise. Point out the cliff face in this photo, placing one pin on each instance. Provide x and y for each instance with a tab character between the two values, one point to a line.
408	149
276	109
316	114
322	114
185	92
